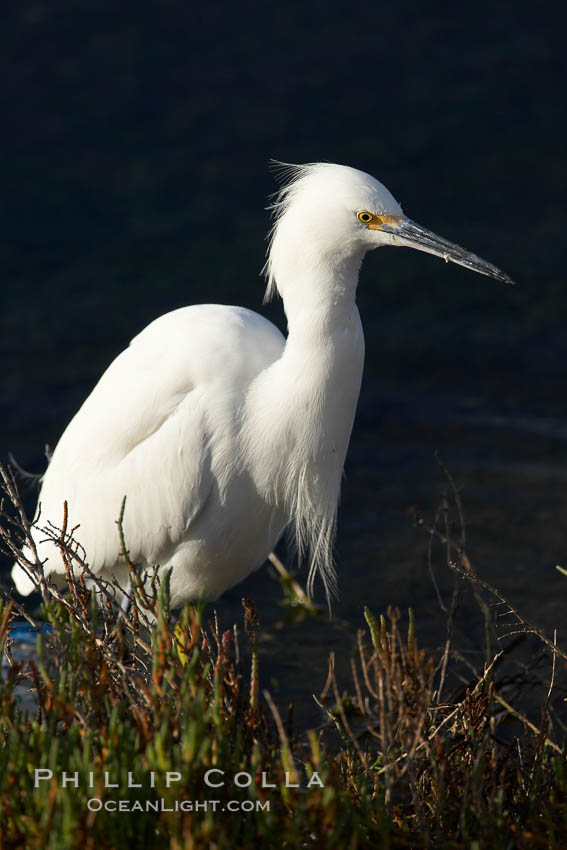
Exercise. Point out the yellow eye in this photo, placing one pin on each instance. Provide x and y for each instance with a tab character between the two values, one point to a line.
365	217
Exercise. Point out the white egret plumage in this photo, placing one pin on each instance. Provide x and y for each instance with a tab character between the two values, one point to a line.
221	433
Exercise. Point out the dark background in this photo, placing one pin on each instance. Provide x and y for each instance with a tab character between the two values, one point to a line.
134	162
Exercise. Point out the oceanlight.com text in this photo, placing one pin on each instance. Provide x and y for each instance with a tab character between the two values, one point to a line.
95	804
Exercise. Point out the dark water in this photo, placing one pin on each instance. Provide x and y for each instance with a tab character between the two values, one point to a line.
134	180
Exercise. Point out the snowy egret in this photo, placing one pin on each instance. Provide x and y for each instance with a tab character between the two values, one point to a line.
221	433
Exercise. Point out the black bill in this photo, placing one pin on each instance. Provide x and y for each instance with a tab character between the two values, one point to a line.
407	232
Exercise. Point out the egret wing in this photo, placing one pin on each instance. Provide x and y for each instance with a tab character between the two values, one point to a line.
150	432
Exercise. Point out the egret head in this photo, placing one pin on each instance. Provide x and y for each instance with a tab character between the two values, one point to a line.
335	213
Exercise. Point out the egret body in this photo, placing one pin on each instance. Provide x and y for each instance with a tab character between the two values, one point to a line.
221	433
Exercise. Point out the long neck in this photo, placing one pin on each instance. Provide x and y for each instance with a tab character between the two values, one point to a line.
301	408
320	370
321	366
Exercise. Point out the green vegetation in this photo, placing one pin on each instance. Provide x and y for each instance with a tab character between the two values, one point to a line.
397	762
